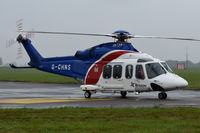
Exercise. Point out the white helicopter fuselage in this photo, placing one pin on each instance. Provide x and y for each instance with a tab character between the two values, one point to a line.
110	67
136	72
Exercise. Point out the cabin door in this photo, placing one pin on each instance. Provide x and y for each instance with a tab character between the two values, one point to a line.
141	81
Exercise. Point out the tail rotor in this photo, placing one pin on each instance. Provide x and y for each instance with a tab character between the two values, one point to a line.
10	42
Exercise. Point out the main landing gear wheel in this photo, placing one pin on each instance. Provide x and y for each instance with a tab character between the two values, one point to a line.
162	95
123	94
87	94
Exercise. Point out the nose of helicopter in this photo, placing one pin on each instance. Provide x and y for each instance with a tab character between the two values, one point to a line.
175	82
180	82
172	81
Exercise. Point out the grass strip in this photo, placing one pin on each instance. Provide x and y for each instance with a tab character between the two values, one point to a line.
33	75
98	120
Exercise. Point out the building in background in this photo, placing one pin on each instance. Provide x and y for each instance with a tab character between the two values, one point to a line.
181	66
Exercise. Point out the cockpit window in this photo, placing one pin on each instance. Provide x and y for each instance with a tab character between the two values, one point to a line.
167	67
154	70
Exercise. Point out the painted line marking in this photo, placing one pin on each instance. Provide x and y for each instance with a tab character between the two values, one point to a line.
30	101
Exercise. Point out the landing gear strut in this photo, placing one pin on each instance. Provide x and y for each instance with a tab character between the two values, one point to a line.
162	95
123	94
87	94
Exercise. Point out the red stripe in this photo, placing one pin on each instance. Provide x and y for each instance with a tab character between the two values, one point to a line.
93	75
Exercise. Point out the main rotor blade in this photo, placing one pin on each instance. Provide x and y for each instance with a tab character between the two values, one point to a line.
171	38
68	33
112	35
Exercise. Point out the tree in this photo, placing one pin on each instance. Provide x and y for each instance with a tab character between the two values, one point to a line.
1	61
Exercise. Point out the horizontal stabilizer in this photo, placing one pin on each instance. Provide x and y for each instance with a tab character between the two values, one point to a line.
16	67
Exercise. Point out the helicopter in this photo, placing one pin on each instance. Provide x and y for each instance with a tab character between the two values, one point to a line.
112	67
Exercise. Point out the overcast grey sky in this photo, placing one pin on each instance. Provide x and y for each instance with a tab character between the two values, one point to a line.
176	18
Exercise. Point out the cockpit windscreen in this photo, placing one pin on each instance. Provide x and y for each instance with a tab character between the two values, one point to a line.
167	67
154	70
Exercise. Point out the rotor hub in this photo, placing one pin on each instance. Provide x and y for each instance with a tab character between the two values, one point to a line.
121	35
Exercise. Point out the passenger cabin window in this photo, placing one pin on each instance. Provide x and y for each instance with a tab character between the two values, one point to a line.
129	71
117	71
139	72
107	71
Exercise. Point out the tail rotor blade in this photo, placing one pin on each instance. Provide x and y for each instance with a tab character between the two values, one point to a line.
19	25
10	42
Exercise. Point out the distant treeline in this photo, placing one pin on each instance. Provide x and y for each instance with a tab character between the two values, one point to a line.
173	63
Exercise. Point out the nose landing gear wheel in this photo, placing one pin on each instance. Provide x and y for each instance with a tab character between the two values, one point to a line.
123	94
162	95
87	94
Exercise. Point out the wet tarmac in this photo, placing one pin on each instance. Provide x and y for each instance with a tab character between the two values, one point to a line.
37	95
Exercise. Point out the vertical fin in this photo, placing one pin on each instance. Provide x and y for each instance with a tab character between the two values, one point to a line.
34	55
